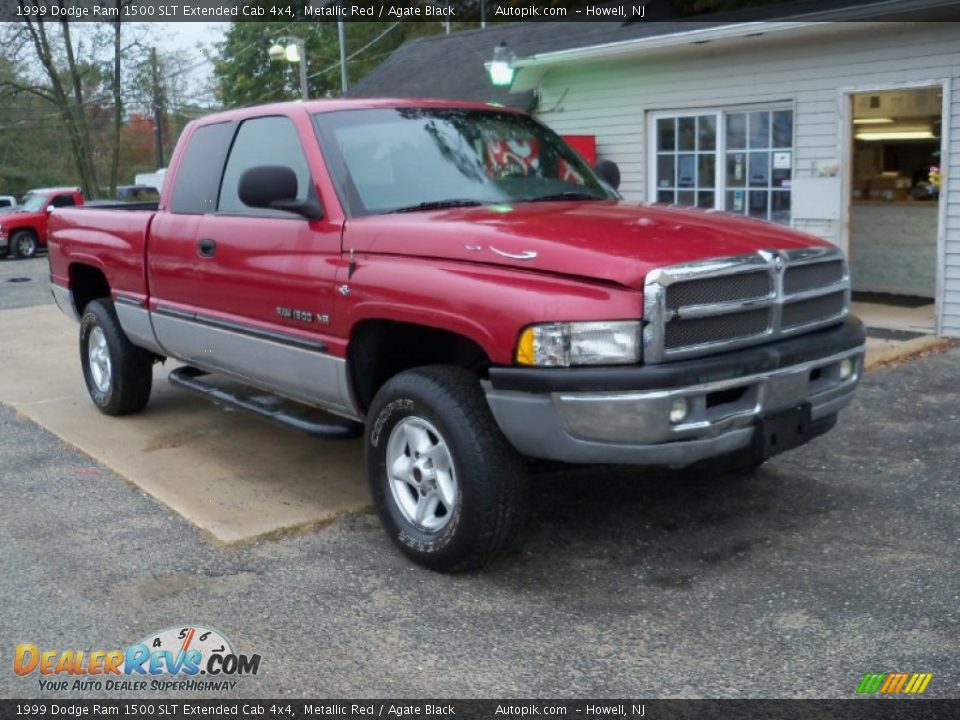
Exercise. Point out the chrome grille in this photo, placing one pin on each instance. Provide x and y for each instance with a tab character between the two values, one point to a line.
804	277
729	288
800	313
697	331
715	305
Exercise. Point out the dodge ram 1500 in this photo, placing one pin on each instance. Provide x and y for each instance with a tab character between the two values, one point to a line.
454	281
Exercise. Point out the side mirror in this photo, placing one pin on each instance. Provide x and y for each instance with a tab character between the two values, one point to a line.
609	172
50	208
275	187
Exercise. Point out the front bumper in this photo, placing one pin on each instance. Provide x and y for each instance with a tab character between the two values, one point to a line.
620	415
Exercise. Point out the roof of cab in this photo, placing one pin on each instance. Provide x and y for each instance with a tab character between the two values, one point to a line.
336	104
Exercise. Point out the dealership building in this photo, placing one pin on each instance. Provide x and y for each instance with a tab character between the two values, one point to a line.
847	129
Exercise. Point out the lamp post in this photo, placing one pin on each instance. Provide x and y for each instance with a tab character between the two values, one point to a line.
294	50
344	82
501	68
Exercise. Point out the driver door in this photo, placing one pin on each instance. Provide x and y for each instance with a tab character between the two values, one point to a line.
264	278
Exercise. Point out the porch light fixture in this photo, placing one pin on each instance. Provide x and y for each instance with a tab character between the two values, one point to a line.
872	121
501	68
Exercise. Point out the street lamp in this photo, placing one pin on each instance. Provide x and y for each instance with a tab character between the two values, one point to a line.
294	50
501	68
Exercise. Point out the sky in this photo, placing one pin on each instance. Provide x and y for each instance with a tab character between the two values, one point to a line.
188	34
189	37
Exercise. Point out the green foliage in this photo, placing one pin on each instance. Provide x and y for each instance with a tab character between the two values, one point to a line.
35	147
245	74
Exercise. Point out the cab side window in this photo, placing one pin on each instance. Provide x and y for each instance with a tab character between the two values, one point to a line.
63	201
198	177
263	141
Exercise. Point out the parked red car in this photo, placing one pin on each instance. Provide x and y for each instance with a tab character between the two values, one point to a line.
456	279
23	231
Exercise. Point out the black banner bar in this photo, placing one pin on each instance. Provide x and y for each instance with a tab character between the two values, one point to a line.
460	11
872	708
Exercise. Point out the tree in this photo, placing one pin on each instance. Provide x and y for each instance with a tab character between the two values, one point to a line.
32	147
67	75
74	89
245	75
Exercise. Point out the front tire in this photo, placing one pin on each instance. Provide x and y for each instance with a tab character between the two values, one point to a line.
118	374
450	490
23	243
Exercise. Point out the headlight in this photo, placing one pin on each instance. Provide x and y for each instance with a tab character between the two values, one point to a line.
615	342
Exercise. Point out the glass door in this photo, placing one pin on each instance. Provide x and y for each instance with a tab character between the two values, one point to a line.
759	164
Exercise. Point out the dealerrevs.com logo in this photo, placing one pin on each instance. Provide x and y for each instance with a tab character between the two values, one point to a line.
188	658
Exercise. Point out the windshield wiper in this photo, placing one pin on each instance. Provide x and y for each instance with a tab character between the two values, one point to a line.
566	195
438	205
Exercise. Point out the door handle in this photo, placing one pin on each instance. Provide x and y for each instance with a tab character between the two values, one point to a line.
207	247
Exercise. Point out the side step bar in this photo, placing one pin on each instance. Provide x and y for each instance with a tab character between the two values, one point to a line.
272	407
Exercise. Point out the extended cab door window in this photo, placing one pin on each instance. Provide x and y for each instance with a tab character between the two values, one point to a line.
263	141
198	177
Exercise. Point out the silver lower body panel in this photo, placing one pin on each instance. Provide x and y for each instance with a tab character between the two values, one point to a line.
64	300
308	376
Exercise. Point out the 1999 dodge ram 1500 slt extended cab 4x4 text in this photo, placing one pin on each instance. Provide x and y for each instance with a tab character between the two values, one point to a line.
455	278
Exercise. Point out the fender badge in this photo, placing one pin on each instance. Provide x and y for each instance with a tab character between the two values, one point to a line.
522	255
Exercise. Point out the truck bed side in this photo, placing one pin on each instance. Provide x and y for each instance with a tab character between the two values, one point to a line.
103	240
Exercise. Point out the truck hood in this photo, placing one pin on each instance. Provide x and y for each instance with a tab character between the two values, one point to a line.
609	241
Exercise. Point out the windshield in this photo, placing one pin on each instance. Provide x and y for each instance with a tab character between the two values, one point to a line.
32	203
407	159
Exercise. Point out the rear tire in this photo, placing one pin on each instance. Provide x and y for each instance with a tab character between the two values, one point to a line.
118	374
23	244
450	490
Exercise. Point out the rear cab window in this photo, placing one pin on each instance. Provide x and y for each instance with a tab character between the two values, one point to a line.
198	177
64	200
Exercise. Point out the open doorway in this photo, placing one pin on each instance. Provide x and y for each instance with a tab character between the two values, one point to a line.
894	217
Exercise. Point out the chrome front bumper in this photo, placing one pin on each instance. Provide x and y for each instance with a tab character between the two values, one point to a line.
633	427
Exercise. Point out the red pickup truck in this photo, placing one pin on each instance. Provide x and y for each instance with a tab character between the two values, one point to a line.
455	279
24	230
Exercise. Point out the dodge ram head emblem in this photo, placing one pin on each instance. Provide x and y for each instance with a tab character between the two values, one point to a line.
775	257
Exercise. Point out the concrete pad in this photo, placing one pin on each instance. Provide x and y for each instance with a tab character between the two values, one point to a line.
232	474
882	352
920	319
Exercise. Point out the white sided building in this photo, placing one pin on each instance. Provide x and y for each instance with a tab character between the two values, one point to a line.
848	129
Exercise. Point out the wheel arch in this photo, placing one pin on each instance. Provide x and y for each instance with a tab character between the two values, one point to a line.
87	283
381	348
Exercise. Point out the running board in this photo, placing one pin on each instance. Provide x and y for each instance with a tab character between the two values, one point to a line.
272	407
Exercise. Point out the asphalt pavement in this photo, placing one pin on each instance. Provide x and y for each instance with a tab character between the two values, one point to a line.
837	559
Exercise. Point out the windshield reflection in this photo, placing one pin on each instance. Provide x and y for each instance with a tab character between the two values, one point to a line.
413	159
